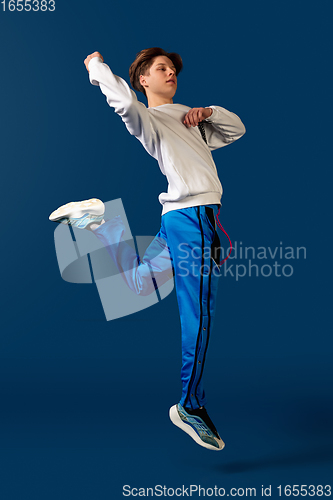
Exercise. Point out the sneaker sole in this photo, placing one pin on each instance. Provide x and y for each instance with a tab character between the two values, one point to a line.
176	420
77	209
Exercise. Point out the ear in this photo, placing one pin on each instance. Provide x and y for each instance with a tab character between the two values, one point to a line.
142	80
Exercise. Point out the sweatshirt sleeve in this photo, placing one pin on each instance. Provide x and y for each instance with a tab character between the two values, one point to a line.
118	94
222	128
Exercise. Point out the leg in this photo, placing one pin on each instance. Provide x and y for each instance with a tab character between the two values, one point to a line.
142	276
190	236
194	246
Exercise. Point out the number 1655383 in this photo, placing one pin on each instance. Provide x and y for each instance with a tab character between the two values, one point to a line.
28	5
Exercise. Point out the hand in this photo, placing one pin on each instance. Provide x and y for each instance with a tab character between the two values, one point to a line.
88	58
196	115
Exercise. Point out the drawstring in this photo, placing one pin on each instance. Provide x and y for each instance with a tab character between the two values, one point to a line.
220	226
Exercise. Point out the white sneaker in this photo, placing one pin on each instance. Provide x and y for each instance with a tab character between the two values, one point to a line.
79	213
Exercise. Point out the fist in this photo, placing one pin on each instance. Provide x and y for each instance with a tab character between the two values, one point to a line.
88	58
196	115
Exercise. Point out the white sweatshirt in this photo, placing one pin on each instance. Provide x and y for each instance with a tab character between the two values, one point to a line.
182	154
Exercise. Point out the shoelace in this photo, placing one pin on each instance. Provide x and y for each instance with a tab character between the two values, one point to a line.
202	131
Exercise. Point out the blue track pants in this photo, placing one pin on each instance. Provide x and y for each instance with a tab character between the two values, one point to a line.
188	238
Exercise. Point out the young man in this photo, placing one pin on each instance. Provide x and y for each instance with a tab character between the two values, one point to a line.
169	132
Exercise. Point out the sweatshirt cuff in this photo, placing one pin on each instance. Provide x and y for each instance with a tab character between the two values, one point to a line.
91	65
93	62
212	116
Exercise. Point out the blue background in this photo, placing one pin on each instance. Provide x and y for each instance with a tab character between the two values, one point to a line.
84	402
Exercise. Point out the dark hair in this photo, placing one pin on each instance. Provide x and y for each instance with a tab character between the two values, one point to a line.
143	62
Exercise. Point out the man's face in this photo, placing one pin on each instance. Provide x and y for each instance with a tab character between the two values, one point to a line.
162	79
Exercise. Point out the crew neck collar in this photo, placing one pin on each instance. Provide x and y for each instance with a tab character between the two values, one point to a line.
167	104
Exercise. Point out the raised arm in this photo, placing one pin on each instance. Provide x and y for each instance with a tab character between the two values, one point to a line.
124	101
